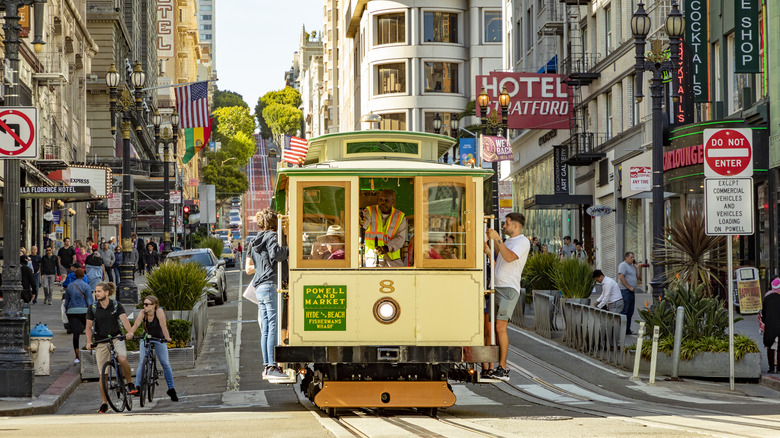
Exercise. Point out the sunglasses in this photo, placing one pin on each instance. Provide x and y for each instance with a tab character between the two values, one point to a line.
148	304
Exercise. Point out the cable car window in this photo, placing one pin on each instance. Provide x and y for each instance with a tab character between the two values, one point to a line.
447	231
395	147
323	225
386	220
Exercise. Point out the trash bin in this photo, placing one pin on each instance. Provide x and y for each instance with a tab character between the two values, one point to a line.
40	348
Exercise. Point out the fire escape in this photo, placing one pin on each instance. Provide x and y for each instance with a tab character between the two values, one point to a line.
577	71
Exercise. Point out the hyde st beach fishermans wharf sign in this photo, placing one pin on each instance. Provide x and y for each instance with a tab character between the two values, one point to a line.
325	308
536	100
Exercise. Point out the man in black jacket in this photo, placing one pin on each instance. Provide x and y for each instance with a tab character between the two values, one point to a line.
49	269
28	280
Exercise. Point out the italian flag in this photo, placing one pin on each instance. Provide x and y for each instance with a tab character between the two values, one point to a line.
196	139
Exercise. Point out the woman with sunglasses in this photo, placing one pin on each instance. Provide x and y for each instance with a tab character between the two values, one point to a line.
153	318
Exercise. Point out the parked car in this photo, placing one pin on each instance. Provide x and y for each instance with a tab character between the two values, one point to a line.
228	256
215	269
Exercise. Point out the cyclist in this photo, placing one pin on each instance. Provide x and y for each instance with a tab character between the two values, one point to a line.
155	326
104	315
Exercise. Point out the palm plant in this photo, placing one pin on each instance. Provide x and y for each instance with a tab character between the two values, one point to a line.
178	286
573	278
690	255
538	270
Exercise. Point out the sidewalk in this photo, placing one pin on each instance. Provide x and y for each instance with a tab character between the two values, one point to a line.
49	392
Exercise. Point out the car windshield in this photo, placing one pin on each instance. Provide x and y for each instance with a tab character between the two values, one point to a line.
226	251
199	257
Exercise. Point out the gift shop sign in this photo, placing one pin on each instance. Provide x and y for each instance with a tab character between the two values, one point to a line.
536	100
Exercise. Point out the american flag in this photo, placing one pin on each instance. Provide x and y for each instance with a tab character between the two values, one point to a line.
192	103
294	148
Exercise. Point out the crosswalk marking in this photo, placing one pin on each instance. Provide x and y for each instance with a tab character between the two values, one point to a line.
555	397
465	396
574	389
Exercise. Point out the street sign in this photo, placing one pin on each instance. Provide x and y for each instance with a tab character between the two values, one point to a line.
728	203
115	217
18	132
504	198
175	197
641	178
599	210
114	201
728	153
48	216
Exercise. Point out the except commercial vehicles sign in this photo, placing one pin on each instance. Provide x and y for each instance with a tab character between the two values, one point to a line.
728	152
536	100
728	203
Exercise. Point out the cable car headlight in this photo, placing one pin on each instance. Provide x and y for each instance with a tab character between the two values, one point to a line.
387	310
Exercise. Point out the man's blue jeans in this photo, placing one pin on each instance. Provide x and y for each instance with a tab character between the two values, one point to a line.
162	356
266	316
629	300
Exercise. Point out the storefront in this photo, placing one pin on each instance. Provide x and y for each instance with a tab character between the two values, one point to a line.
684	179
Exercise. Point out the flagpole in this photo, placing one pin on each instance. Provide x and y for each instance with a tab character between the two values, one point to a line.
177	85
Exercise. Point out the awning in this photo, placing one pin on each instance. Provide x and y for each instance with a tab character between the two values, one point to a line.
561	201
65	193
551	66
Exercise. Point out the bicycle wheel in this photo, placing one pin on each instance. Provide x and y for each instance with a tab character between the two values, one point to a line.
154	375
142	387
127	397
113	387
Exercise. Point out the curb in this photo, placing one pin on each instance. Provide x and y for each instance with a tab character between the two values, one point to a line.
48	402
770	382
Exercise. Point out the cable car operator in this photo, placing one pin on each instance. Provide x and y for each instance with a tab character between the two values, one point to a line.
386	230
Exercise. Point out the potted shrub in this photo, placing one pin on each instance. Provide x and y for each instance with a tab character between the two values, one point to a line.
178	286
574	279
215	243
539	269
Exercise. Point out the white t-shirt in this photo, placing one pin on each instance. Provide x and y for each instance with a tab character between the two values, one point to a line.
508	273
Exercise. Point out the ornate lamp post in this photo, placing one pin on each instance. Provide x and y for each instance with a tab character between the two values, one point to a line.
657	63
436	123
454	132
167	138
16	367
483	100
124	104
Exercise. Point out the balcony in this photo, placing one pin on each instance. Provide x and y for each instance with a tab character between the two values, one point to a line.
54	156
553	17
583	147
577	69
55	68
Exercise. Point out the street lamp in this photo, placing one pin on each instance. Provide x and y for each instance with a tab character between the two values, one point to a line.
167	138
436	123
455	132
16	367
657	62
127	291
483	100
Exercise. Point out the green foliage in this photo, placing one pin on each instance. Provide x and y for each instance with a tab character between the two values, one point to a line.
227	179
539	270
573	278
710	344
228	98
179	329
133	344
286	96
690	255
215	243
178	286
265	131
198	234
232	120
283	119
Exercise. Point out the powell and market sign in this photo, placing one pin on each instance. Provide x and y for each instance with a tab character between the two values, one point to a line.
746	42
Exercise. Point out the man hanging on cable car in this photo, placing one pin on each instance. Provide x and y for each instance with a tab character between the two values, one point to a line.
386	230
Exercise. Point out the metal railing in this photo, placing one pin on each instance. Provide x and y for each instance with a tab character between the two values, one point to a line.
151	168
58	152
518	315
545	311
596	332
580	63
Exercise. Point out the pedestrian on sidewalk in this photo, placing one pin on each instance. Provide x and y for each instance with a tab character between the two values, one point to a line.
262	258
50	266
105	315
628	281
35	258
66	256
610	293
140	249
119	258
151	256
510	258
28	280
95	268
78	298
108	261
153	319
770	316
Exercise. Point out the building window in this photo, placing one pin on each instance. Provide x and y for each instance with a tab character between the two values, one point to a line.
205	27
206	36
205	8
441	77
441	27
608	29
391	78
390	28
519	42
608	107
585	42
529	32
493	28
393	122
205	17
603	172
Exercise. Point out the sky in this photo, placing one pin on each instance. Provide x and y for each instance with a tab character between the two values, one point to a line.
256	40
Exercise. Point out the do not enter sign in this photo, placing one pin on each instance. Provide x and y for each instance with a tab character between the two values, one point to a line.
728	152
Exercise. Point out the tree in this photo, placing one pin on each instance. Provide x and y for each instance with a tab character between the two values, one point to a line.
283	119
238	149
285	96
228	98
228	179
232	120
265	131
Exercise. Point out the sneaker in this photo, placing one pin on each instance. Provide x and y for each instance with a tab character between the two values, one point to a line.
276	373
103	408
131	389
265	372
77	361
501	374
486	374
172	394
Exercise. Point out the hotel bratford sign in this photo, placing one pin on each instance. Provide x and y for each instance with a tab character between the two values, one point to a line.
536	100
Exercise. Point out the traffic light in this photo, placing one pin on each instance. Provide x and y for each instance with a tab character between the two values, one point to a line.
186	215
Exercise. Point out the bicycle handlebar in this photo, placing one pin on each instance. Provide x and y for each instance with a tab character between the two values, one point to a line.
110	338
152	338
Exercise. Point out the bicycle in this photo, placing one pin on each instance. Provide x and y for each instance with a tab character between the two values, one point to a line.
114	382
150	376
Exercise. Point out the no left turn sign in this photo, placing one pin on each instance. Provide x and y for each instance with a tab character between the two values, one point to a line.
18	132
728	153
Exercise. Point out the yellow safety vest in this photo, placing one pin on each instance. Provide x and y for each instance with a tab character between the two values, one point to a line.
379	233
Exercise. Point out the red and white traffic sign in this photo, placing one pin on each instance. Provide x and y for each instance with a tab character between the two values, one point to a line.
18	132
728	152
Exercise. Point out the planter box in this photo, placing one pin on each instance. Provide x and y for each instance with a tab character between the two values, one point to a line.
710	365
181	358
198	316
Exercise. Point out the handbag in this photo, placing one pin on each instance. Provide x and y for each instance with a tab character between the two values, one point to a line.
249	294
